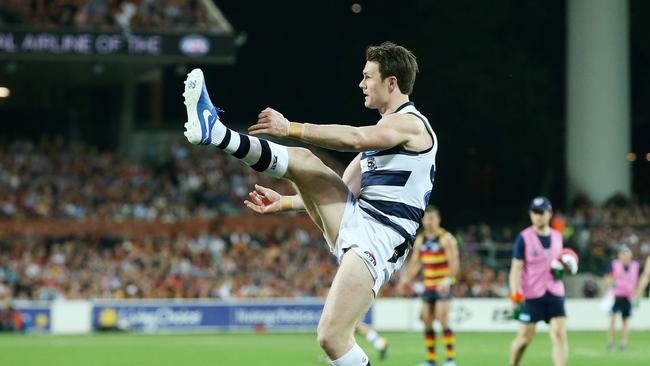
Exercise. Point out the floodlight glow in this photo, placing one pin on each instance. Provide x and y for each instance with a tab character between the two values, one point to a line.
631	157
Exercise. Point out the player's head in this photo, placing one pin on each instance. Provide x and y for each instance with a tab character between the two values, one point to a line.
431	218
389	69
540	211
624	254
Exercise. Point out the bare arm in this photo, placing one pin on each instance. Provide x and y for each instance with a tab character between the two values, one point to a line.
413	264
392	130
352	176
643	280
516	267
608	281
381	136
265	200
450	245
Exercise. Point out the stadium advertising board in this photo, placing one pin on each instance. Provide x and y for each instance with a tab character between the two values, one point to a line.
116	46
35	318
495	315
151	317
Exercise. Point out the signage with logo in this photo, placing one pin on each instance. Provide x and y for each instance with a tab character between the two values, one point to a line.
155	316
35	318
118	47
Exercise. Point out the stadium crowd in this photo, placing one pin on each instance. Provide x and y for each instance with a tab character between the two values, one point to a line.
52	179
233	264
597	232
55	180
225	265
103	13
215	265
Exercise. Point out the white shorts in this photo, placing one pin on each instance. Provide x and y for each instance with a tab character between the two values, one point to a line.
373	241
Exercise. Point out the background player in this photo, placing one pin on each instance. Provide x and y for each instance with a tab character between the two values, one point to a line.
369	216
622	278
436	252
530	272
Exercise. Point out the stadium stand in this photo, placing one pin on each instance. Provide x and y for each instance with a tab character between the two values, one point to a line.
104	13
169	228
50	179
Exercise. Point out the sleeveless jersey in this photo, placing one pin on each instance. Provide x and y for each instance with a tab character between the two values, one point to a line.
435	265
625	279
536	278
396	183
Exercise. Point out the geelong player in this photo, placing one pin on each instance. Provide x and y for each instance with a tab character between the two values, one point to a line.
622	277
531	280
436	252
370	215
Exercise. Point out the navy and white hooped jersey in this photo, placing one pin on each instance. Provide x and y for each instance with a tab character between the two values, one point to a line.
396	183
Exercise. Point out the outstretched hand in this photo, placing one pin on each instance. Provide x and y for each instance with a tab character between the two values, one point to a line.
270	122
264	200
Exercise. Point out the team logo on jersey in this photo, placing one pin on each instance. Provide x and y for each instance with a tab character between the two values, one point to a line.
400	251
432	245
371	257
275	162
372	164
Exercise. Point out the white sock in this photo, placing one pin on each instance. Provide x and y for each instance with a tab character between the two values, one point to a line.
264	156
374	338
354	357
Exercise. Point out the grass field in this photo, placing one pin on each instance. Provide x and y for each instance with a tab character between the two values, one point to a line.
226	349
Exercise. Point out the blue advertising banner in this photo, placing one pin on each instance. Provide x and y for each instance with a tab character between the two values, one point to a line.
35	318
167	316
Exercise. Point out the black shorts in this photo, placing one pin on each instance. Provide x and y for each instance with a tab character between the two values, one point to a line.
543	308
622	305
431	296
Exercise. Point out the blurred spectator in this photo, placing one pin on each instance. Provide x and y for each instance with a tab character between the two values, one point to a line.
597	231
55	180
11	320
125	14
590	289
232	265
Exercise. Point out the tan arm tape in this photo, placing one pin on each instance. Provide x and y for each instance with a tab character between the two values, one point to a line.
286	202
296	130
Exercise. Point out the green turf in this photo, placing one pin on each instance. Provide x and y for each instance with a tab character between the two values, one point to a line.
226	349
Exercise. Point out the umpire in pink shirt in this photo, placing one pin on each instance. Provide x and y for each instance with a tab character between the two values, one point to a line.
622	277
532	281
